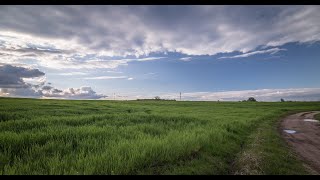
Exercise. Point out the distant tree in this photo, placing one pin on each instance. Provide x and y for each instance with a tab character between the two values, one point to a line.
251	99
282	100
157	98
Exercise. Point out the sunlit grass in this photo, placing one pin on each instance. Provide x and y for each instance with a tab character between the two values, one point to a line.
134	137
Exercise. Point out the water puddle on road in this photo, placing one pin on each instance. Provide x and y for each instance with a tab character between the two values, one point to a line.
290	131
310	120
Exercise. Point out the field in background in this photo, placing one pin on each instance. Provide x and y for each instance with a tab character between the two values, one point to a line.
145	137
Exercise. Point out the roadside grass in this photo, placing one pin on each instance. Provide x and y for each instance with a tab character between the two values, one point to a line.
317	116
144	137
266	153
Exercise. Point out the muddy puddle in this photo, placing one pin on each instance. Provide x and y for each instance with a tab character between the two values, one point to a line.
310	120
290	131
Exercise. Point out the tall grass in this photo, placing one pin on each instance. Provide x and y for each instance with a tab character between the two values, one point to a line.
134	137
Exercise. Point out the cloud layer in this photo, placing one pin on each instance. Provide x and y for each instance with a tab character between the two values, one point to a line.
72	93
94	36
297	94
108	77
271	51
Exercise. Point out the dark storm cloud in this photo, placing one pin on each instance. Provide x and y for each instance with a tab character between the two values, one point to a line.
12	76
13	84
47	88
49	21
56	91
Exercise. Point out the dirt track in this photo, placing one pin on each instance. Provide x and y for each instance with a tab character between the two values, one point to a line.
304	138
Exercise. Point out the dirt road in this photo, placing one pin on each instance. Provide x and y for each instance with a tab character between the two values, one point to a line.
302	132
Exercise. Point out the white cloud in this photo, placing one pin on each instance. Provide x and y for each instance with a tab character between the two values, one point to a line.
147	59
186	59
106	77
59	54
295	94
73	93
71	74
271	51
117	72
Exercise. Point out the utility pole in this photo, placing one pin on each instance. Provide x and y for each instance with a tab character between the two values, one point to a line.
114	96
180	96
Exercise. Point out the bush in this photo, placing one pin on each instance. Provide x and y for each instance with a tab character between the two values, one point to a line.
251	99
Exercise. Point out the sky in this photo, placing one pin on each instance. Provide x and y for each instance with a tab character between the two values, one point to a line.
206	52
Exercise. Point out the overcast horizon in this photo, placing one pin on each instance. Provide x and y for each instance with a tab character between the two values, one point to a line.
207	52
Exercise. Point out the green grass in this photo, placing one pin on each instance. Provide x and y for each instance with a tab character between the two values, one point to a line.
317	116
145	137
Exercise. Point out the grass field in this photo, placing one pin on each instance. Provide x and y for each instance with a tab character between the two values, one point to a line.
145	137
318	116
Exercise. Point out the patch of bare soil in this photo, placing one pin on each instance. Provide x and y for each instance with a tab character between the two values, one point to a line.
303	135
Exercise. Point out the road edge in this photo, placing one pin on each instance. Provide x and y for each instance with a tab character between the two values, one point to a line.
307	165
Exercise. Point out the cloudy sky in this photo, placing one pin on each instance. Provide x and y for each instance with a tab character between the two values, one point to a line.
128	52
